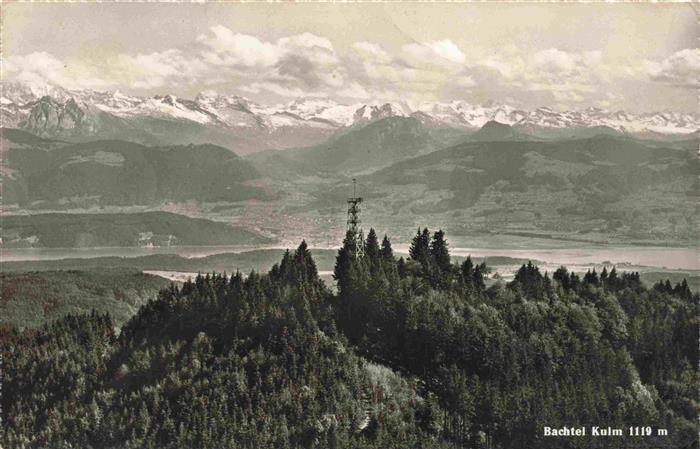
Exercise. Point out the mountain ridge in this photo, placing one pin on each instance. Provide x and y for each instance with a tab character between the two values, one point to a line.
245	126
50	173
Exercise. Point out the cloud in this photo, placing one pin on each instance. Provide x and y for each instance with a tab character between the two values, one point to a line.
152	70
310	60
681	69
310	65
567	96
225	48
306	40
356	91
554	60
551	75
436	52
44	68
276	88
373	52
141	71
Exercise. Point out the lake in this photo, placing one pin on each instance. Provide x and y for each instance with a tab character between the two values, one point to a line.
672	258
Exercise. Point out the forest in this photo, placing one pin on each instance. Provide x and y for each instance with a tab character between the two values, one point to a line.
416	352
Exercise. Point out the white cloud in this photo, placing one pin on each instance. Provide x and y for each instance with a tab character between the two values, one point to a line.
554	60
448	50
44	68
354	90
567	96
499	65
680	69
465	81
276	88
372	52
309	65
305	40
146	71
226	48
141	71
436	52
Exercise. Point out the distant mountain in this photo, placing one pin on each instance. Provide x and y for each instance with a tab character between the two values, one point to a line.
54	174
600	189
244	126
229	121
601	186
379	144
495	131
548	122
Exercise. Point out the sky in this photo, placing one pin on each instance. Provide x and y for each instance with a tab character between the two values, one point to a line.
631	56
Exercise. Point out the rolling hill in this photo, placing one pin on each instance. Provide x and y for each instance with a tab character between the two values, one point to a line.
363	149
599	189
42	173
604	184
34	298
115	230
496	131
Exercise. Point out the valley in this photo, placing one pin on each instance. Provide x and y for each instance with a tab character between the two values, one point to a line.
494	185
587	194
349	225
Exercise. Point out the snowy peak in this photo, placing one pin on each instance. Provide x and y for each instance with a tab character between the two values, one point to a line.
465	115
370	113
322	109
233	113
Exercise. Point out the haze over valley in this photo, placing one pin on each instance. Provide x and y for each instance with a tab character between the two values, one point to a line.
348	225
479	172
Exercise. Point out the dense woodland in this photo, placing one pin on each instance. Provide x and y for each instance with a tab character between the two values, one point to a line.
407	353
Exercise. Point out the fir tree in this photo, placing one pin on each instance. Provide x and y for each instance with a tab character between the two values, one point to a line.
386	252
372	251
440	253
420	247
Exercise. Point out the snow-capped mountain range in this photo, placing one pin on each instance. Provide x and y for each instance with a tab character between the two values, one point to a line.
52	111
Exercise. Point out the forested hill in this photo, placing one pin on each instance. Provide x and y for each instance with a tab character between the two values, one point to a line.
361	149
413	352
54	174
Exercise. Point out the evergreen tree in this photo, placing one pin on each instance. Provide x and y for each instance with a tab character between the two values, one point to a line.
275	360
372	251
344	262
420	247
440	253
386	252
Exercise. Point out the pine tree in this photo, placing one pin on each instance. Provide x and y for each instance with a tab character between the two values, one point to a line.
386	252
372	252
401	267
440	253
304	264
420	247
468	271
344	261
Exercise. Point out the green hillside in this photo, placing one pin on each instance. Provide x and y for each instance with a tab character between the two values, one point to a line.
31	299
113	230
409	353
245	262
367	148
601	189
598	189
116	172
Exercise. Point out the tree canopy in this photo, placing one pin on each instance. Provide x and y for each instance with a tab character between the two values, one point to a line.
420	352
